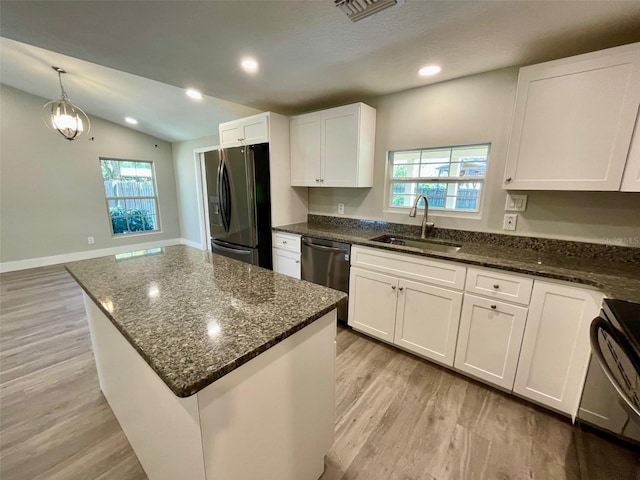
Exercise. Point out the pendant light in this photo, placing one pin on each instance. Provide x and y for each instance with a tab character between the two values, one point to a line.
63	116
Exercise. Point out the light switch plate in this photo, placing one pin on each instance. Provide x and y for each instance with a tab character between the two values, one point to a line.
91	240
510	221
515	203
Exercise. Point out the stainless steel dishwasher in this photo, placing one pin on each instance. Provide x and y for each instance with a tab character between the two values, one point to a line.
327	263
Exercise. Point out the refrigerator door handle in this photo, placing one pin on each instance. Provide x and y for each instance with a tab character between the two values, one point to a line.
237	251
224	195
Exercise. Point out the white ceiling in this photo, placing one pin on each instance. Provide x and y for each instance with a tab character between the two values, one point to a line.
311	56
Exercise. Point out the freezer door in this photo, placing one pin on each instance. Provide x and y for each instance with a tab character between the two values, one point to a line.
244	254
231	193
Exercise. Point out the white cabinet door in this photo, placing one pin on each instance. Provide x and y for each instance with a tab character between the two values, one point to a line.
339	167
427	320
631	177
573	122
305	150
333	147
246	131
230	134
555	350
372	303
287	263
489	339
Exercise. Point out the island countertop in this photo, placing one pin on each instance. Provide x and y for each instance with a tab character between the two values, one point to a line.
194	316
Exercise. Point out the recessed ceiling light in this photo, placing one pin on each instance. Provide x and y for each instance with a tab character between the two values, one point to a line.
429	70
195	94
249	65
130	120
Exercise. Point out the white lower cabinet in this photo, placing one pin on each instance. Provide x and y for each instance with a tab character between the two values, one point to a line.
372	303
555	350
538	350
287	263
286	254
489	339
416	316
427	320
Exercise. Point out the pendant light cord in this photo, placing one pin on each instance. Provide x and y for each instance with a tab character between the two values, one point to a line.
64	93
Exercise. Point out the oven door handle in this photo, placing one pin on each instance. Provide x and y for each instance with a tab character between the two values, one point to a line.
597	324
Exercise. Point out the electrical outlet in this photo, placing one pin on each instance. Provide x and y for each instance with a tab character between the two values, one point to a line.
516	203
91	240
341	209
510	221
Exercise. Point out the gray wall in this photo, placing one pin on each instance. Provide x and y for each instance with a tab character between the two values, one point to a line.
478	109
186	166
51	192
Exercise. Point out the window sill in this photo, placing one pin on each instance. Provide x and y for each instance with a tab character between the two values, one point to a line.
136	234
435	213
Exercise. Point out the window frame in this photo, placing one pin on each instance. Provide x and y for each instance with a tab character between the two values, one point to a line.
436	211
155	198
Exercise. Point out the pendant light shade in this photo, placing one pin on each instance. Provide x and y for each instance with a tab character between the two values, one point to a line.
63	116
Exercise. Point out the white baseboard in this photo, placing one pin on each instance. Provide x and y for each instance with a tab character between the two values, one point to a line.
102	252
192	244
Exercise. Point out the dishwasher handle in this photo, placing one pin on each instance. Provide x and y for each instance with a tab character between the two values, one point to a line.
322	247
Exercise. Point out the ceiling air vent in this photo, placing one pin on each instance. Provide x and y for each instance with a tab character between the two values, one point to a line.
359	9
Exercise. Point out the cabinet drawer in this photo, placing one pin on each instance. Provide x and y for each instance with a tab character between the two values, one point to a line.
512	288
286	241
412	267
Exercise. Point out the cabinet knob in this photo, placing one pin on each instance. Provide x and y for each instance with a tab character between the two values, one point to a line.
393	287
507	180
317	180
493	307
496	286
401	288
240	139
297	261
284	242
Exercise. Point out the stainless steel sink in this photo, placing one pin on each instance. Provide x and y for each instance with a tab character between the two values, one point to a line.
433	245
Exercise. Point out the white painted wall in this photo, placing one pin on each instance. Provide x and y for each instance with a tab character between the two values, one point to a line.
185	165
51	191
478	109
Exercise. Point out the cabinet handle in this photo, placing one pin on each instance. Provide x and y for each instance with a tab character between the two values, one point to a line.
496	286
507	180
284	242
317	180
393	287
493	307
401	288
297	261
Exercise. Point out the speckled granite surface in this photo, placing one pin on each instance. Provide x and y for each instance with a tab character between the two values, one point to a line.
613	270
195	317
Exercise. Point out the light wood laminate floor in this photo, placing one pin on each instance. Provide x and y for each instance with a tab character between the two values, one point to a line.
398	417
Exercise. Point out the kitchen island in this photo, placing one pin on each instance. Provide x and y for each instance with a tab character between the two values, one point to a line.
215	369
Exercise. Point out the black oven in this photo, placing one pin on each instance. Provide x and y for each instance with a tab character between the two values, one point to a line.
608	426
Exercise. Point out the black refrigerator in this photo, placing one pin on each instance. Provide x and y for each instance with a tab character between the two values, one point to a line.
240	203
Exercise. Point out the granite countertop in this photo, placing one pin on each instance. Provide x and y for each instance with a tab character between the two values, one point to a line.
616	279
194	316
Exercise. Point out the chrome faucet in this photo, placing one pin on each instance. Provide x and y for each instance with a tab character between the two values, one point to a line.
426	226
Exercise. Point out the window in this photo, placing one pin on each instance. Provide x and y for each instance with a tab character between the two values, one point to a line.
452	178
132	201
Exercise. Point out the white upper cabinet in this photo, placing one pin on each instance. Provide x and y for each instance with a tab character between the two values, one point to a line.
631	177
334	147
246	131
573	123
